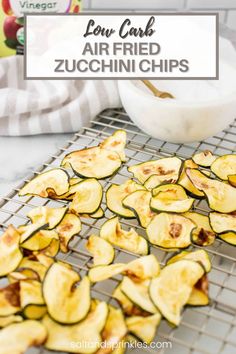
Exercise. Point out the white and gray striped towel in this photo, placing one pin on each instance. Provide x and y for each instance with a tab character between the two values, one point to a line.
37	107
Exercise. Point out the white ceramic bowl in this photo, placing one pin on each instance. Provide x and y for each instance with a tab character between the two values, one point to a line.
186	118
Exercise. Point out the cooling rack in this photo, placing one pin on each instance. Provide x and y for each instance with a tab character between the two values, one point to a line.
208	330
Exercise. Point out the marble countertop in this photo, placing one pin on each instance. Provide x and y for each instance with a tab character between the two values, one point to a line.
21	155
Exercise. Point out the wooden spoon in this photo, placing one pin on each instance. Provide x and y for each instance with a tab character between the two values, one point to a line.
155	91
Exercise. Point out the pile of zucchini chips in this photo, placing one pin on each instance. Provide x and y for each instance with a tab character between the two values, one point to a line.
47	302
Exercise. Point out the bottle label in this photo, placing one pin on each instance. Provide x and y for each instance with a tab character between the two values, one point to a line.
20	7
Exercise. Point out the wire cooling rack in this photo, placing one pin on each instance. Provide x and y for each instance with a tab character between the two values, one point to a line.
210	329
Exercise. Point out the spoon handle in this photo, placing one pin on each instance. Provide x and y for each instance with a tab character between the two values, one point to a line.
155	91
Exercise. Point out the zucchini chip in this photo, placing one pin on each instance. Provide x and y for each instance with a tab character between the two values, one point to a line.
203	235
144	328
94	162
86	335
10	253
104	272
99	214
112	232
71	192
199	295
10	299
67	229
50	251
114	331
29	230
152	182
170	198
229	237
22	274
66	304
88	197
185	182
138	293
7	320
204	158
222	223
31	299
116	142
197	256
102	251
170	231
115	195
172	289
45	215
139	203
128	307
52	182
167	169
232	180
18	337
224	166
221	196
40	240
74	180
38	266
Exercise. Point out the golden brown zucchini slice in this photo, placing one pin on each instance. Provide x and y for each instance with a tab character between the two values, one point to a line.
116	142
22	274
67	229
185	182
224	166
83	337
50	251
138	293
94	162
199	295
222	223
29	230
229	237
31	299
172	289
197	256
18	337
10	253
7	320
232	180
203	235
99	214
152	182
112	232
221	196
72	190
139	203
40	240
66	304
88	197
144	328
52	182
103	272
116	194
10	299
36	265
128	307
170	198
167	169
46	215
114	331
170	231
102	251
204	158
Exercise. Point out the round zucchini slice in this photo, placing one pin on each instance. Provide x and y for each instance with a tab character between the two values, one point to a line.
40	240
67	229
66	304
10	299
152	182
116	194
86	335
167	169
142	268
99	214
222	223
199	295
31	299
139	203
46	215
170	231
94	162
10	253
102	251
38	264
138	293
224	166
197	256
88	197
204	158
128	307
170	198
50	251
172	289
116	142
229	237
144	328
203	235
185	182
221	196
18	337
232	180
112	232
7	320
29	230
52	182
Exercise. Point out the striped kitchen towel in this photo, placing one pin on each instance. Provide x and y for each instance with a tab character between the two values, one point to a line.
37	107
